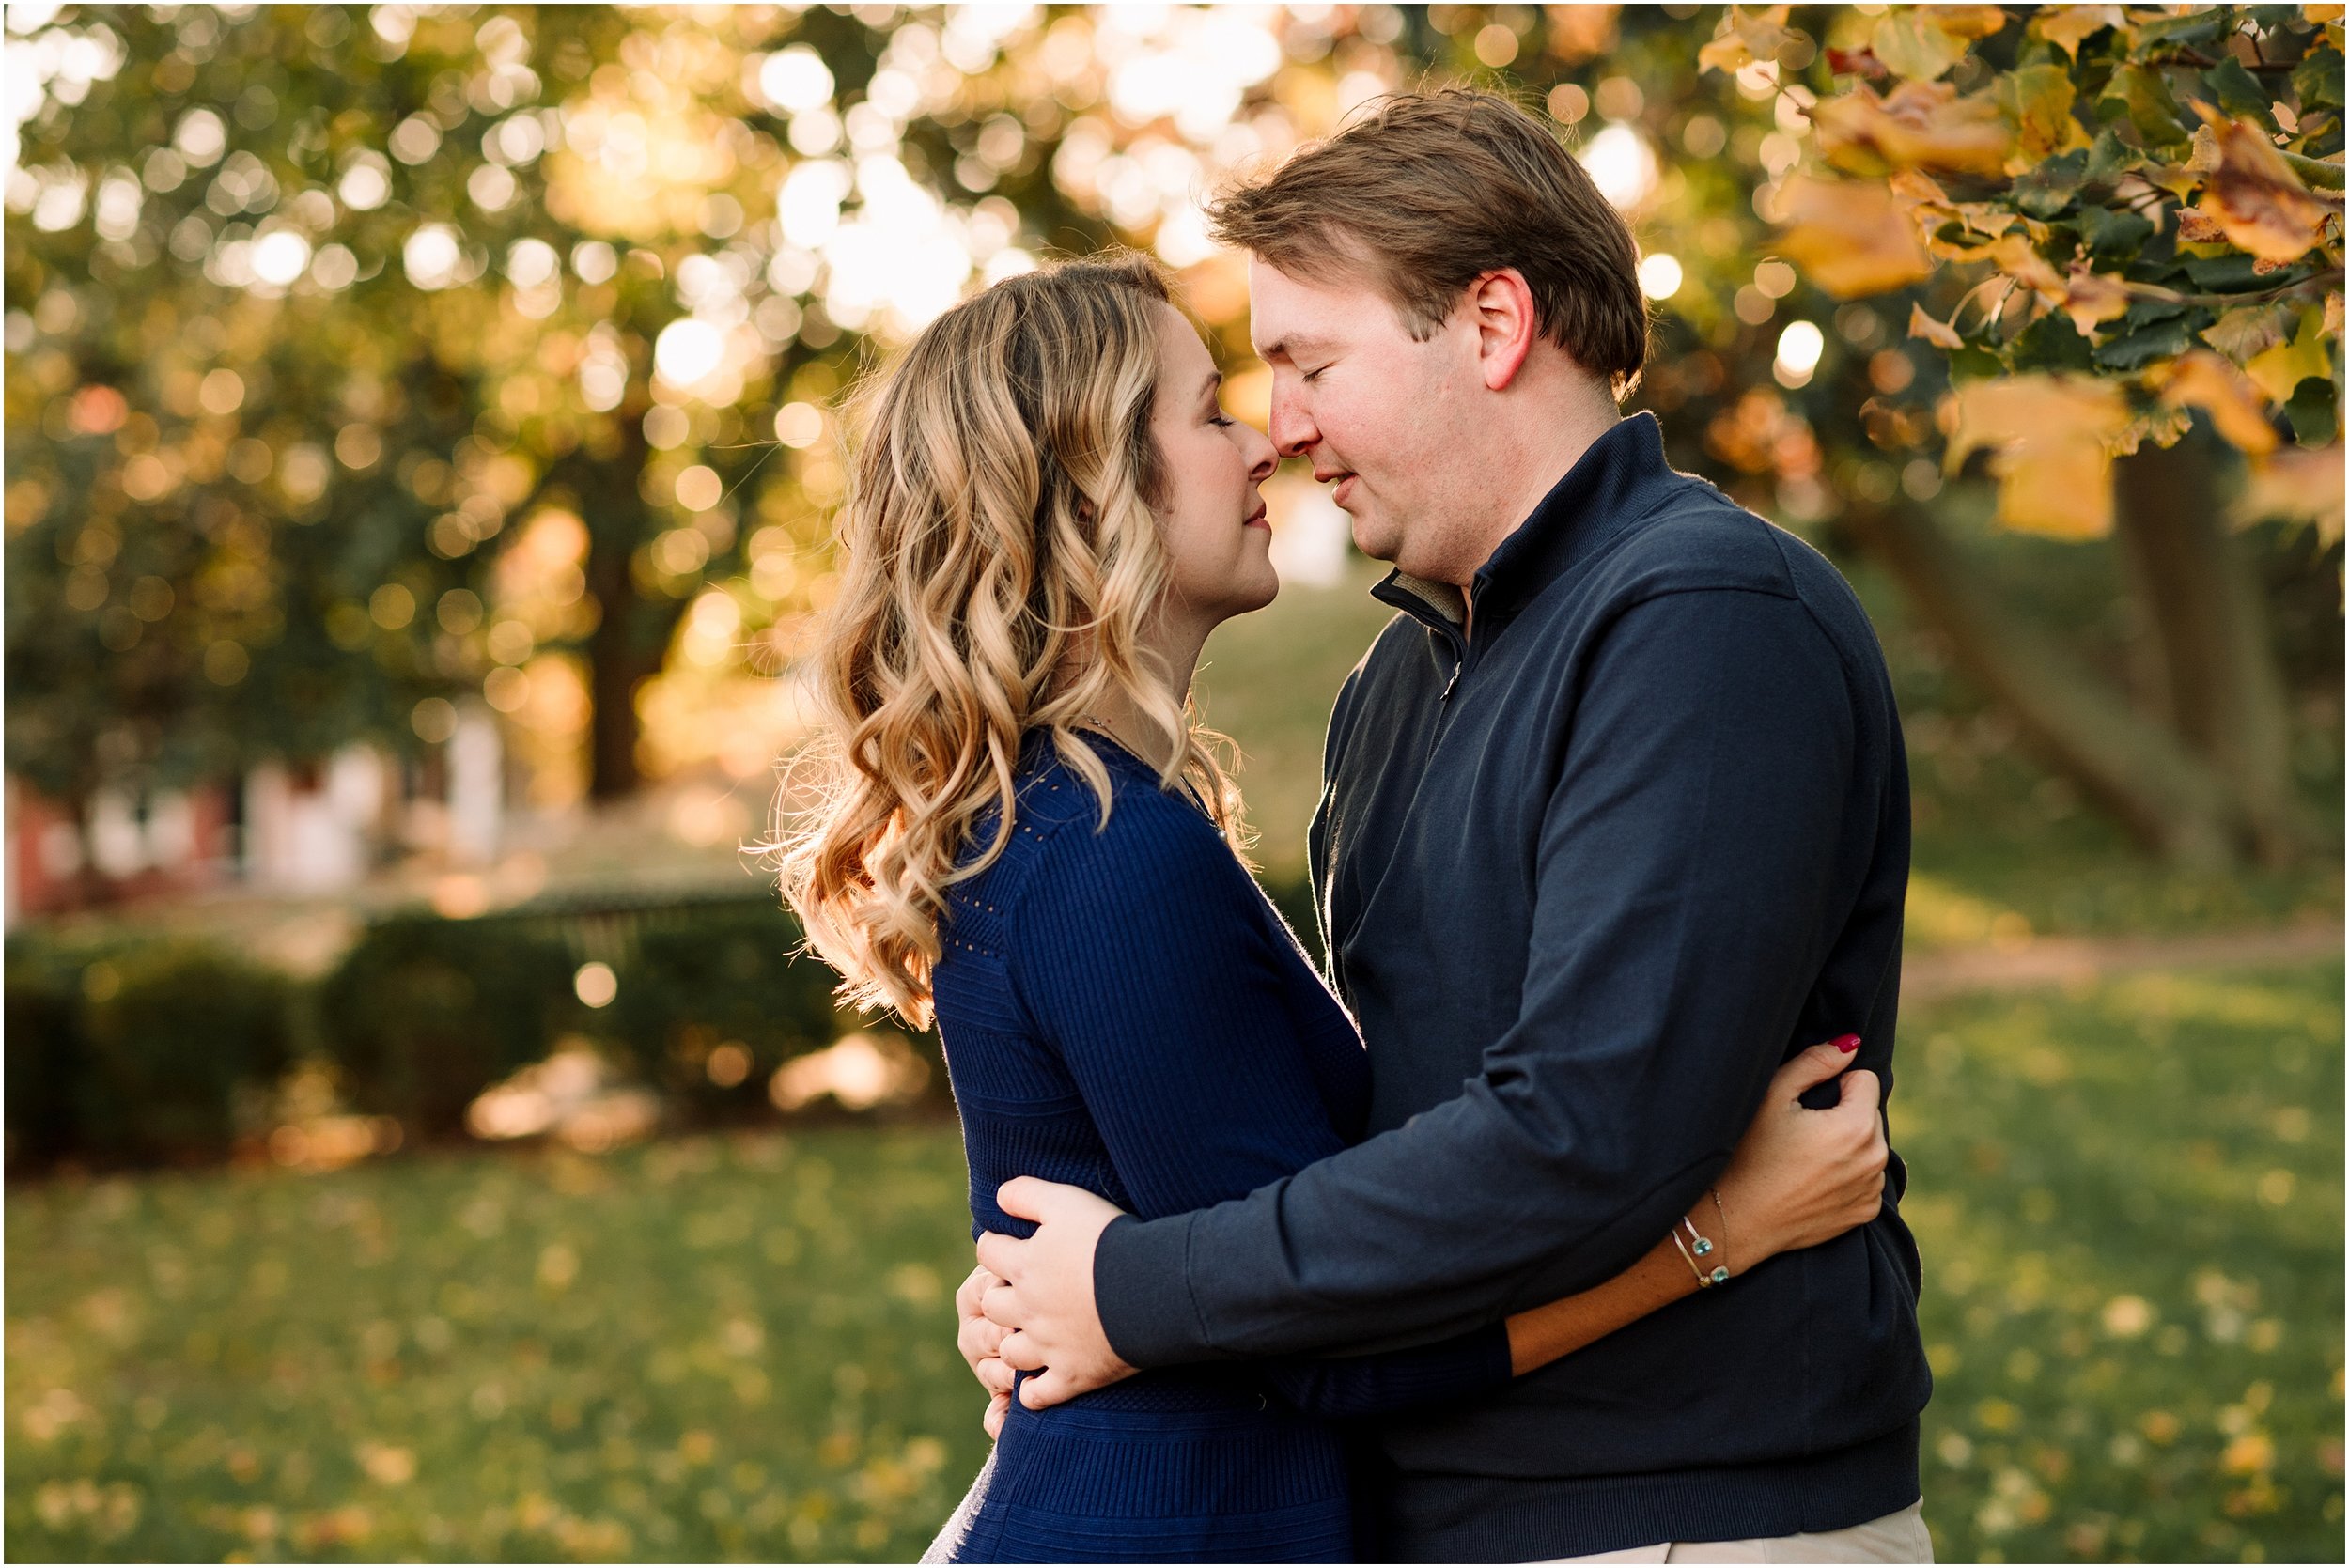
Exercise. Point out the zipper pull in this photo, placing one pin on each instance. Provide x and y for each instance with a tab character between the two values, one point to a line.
1454	684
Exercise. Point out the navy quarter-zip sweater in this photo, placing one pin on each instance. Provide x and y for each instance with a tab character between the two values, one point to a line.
1586	877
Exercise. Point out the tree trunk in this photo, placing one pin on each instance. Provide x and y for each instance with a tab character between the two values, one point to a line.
2167	796
613	668
2221	686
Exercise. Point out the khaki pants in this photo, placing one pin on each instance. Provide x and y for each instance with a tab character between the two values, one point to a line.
1895	1538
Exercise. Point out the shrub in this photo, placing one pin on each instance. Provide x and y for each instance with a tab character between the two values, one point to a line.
706	977
138	1053
45	1053
425	1013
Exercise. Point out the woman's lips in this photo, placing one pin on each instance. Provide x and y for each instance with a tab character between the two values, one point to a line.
1257	519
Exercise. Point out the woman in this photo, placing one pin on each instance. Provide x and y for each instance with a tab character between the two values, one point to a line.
1028	838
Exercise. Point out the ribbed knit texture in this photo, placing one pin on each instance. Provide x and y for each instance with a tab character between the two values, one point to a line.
1122	1010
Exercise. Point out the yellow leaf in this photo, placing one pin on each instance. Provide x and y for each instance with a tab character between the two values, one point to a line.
2037	102
2092	299
2015	258
2048	438
2321	13
1745	36
2241	333
1920	125
2066	26
2202	379
2198	227
1911	44
2254	195
2280	368
2299	483
1933	332
1849	237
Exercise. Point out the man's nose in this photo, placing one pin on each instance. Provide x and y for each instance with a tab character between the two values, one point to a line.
1291	429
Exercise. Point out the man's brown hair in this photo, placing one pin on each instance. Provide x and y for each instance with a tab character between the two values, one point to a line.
1428	192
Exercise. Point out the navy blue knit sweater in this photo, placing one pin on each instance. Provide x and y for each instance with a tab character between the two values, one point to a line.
1122	1010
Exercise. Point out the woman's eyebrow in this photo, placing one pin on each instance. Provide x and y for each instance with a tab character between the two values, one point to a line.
1207	388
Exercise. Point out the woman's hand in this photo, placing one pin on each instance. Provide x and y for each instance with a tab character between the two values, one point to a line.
1801	1177
980	1341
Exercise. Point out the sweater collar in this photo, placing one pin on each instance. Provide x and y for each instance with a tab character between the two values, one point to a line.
1613	476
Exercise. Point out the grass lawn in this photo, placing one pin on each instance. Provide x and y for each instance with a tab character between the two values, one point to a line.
2129	1200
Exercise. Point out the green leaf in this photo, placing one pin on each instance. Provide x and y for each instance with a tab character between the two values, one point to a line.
2144	313
2111	157
2141	92
2112	232
1974	363
2317	80
2228	274
2050	343
2314	410
2237	92
2136	350
2048	188
2195	27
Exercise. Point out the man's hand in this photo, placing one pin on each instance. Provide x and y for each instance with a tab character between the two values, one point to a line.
978	1340
1043	1298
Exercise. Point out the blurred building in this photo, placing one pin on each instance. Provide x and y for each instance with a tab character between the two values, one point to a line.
280	829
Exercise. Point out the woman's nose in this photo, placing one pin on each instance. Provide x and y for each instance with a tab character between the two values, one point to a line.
1262	459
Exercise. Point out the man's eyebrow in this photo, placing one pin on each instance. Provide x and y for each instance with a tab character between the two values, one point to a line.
1289	347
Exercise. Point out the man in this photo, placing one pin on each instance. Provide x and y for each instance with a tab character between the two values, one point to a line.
1615	819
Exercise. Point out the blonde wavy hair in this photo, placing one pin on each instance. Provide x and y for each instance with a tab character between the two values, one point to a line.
1001	561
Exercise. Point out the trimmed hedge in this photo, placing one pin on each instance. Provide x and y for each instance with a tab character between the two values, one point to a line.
138	1054
150	1051
425	1013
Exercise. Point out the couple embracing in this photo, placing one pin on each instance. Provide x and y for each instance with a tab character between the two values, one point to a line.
1541	1229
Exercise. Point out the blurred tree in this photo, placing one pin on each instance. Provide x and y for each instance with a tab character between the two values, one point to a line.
552	265
2088	312
581	269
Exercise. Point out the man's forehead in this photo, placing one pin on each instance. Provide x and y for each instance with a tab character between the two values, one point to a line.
1289	316
1286	315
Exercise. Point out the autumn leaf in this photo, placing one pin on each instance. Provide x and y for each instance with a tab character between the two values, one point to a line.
2068	26
1746	36
1919	125
2037	102
1922	41
1933	332
2091	299
2278	369
1850	237
2300	484
2049	442
2256	198
2243	332
2202	379
2198	227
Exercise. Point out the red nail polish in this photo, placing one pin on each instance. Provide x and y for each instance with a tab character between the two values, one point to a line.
1847	1042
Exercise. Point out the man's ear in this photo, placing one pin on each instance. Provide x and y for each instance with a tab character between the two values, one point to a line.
1501	306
